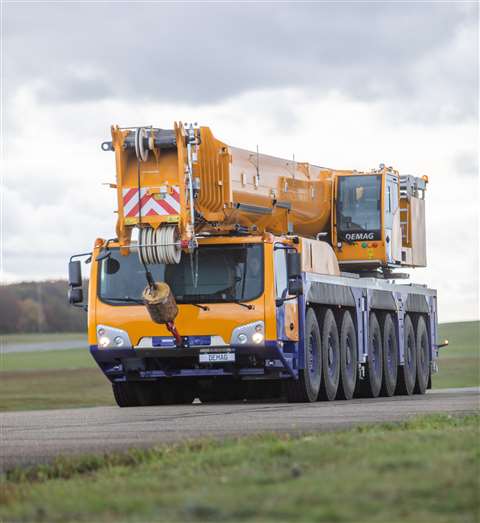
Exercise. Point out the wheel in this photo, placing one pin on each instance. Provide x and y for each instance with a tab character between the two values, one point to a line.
390	356
148	394
261	390
330	357
423	356
371	386
408	371
219	390
306	388
348	358
125	394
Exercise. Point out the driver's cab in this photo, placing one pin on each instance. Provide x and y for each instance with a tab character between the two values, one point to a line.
375	218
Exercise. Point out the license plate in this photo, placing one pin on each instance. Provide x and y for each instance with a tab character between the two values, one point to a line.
217	357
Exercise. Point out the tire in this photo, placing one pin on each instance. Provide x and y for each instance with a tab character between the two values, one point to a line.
348	358
372	384
408	371
330	357
306	388
390	356
423	356
125	394
148	394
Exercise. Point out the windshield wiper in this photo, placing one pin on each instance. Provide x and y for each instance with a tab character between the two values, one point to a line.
126	299
203	307
246	305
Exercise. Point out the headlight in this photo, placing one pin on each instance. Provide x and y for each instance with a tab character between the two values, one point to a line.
251	333
104	341
257	337
110	337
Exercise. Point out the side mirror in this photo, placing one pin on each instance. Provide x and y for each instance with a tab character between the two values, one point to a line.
294	273
295	287
294	265
75	295
74	274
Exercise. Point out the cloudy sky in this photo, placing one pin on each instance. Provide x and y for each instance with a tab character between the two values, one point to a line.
346	85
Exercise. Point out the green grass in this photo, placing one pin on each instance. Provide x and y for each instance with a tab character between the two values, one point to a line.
11	339
459	363
423	470
47	360
54	389
52	380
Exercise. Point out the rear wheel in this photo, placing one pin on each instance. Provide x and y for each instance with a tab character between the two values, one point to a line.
348	358
306	388
372	384
408	371
423	356
330	357
390	357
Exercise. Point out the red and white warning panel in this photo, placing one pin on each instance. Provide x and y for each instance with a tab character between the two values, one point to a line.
151	201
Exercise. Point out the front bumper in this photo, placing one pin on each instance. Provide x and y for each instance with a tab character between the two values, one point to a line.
271	360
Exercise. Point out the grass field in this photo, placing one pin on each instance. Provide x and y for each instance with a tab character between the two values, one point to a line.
459	362
419	471
70	378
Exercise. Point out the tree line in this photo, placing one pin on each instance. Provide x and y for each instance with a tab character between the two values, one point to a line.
39	306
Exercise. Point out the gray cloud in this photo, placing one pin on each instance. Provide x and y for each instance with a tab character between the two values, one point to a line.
209	52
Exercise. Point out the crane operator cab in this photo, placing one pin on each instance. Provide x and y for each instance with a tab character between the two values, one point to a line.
378	220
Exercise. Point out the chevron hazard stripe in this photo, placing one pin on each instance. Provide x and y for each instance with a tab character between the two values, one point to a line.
149	205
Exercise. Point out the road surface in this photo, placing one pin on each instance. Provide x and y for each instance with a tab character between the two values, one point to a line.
39	436
9	348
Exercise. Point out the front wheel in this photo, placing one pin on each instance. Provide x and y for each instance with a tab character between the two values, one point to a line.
125	394
306	388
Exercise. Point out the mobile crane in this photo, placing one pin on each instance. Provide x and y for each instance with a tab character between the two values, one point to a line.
282	276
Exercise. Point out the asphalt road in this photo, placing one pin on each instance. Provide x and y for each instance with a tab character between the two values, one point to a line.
8	348
38	436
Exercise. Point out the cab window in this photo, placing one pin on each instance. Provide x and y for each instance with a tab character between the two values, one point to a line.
281	279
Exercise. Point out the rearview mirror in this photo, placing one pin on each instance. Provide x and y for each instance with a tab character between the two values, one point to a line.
74	274
294	273
75	295
295	287
294	264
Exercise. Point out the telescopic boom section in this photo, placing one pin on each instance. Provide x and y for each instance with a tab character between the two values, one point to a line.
174	185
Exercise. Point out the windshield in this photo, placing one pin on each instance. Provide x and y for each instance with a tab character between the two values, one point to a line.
226	273
358	207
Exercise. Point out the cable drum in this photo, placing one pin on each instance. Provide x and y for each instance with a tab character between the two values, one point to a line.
159	245
140	151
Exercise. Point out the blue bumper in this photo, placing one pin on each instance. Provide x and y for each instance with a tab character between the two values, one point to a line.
269	361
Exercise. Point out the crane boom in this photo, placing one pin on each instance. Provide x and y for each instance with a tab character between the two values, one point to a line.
173	185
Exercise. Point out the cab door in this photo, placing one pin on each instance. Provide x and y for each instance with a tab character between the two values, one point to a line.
391	220
287	311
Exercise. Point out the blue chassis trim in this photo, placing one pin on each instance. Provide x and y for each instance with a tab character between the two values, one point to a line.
111	361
